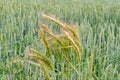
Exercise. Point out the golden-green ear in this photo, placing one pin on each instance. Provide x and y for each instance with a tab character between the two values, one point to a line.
62	46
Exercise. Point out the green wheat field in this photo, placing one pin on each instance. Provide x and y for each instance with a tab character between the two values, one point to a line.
59	39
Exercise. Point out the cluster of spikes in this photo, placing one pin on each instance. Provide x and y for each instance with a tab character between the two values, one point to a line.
65	47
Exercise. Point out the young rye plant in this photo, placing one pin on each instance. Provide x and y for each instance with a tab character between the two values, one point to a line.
63	51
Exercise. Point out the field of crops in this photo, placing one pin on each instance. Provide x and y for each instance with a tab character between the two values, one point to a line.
59	40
